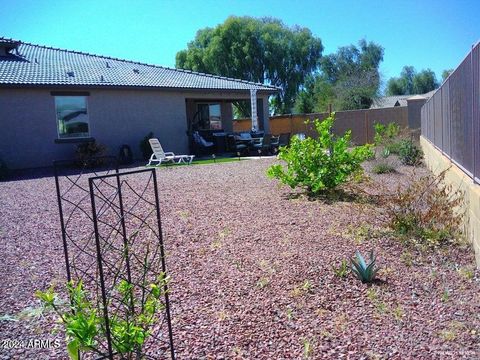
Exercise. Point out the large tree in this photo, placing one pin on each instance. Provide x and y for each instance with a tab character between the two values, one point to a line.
446	73
315	96
348	79
259	50
410	82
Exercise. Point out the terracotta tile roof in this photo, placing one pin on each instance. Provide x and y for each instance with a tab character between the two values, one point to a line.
31	64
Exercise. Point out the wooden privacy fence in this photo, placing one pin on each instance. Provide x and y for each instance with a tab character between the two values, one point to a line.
360	122
451	118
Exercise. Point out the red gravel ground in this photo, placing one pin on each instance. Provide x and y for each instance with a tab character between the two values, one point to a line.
252	276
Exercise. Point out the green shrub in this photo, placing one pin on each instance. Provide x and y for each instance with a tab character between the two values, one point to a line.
145	146
425	213
383	168
319	164
409	153
385	134
394	147
85	325
387	139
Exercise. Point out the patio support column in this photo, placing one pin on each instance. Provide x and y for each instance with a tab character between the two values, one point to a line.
266	115
253	102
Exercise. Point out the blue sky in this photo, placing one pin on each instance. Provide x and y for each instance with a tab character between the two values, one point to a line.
423	33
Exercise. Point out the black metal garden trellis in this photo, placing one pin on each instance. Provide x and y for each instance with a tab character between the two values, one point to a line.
73	196
111	231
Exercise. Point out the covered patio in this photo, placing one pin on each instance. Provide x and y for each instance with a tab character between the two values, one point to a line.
210	119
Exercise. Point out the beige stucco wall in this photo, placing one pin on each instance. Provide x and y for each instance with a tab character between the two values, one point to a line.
28	128
116	117
436	162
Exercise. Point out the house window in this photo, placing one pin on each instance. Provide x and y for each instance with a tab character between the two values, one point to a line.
72	117
209	116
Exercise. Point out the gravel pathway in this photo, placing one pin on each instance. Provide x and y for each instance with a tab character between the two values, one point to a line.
252	276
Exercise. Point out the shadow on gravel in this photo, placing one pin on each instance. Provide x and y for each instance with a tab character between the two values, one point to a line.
336	195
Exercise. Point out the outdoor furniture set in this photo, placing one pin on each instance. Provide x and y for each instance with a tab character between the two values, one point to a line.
243	143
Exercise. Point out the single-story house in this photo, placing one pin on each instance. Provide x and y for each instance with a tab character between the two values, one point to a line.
397	100
52	99
414	104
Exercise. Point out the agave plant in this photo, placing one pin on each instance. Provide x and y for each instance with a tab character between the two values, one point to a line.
365	272
385	153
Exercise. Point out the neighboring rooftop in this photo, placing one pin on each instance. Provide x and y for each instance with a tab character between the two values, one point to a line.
29	64
398	100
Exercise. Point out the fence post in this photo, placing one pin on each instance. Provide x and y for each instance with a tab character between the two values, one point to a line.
441	120
451	118
366	127
473	116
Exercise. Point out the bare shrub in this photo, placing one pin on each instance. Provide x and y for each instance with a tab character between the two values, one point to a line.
427	212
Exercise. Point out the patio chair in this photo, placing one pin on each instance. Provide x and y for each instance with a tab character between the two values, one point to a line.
203	146
160	156
263	144
284	139
246	136
235	146
275	143
275	140
257	134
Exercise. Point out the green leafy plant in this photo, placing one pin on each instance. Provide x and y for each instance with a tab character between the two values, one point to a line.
427	212
393	147
319	164
383	168
365	272
445	295
289	313
85	325
88	150
387	139
342	270
385	133
145	146
307	286
307	348
398	313
409	153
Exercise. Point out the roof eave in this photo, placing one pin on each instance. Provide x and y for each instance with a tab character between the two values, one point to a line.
130	87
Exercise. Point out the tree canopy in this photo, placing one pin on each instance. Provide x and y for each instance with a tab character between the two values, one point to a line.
410	82
259	50
446	73
348	79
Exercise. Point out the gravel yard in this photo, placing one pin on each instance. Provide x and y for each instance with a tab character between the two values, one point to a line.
251	267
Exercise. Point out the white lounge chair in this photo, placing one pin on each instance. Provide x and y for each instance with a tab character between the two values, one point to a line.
160	156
